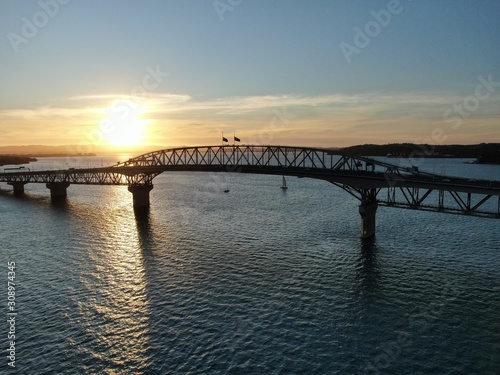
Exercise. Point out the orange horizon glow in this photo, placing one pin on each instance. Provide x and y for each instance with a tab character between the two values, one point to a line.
107	123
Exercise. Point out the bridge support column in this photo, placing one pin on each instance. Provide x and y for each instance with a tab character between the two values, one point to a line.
18	187
57	189
368	210
140	194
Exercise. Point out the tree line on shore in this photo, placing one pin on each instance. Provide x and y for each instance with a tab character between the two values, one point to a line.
484	153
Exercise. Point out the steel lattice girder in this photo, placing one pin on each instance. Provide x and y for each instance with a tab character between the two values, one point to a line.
406	186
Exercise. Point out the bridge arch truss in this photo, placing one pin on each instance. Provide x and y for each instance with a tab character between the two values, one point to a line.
372	182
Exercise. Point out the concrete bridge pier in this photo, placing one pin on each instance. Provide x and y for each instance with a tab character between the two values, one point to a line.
57	189
368	210
140	194
18	187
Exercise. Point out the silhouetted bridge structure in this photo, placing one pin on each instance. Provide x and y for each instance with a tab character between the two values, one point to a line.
372	182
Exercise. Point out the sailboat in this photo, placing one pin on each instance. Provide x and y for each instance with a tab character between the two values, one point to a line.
283	186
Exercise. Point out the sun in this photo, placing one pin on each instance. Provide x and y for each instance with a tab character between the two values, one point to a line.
124	125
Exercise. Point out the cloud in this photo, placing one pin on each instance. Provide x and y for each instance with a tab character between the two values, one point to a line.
358	105
330	119
47	112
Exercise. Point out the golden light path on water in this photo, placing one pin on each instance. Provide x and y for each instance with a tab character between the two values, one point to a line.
117	309
257	281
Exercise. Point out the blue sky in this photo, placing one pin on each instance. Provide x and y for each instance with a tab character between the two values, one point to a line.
273	71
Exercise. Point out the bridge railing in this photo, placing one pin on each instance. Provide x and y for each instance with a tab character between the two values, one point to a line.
268	156
277	156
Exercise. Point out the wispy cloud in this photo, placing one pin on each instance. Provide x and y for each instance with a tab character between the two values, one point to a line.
370	117
383	105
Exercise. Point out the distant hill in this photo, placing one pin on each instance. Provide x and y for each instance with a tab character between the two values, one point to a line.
484	153
15	160
423	150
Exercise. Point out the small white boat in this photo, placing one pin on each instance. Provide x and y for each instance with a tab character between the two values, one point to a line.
283	186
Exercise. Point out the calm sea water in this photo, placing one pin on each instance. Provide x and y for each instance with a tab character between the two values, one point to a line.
255	281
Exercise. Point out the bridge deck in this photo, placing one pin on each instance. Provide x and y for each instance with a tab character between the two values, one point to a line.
362	177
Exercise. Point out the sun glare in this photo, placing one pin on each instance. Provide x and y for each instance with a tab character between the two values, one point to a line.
124	125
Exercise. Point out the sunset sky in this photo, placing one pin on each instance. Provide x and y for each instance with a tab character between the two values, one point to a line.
310	73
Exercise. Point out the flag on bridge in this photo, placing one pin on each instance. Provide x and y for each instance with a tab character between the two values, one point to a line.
236	139
224	139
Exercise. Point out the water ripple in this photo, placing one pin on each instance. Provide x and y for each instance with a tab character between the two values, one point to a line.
256	281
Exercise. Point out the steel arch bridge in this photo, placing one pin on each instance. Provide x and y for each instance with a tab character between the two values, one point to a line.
370	181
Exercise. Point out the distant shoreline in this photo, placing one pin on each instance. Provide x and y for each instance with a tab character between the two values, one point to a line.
26	159
15	159
484	153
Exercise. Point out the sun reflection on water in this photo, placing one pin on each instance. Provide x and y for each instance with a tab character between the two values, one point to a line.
116	313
